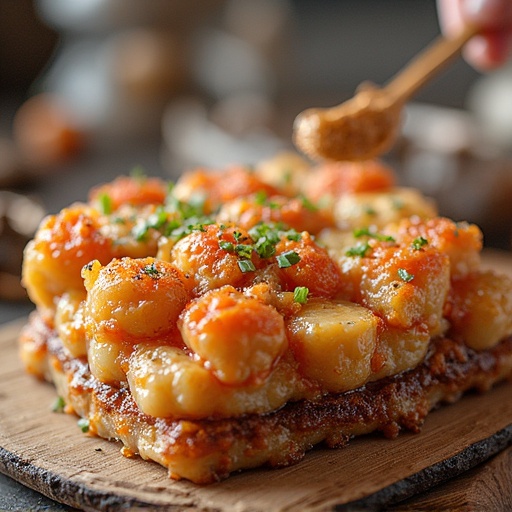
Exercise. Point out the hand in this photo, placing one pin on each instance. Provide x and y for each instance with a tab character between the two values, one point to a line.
492	47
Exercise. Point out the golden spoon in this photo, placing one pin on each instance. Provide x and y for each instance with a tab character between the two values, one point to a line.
367	125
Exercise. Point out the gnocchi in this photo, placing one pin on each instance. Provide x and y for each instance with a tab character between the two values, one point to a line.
234	292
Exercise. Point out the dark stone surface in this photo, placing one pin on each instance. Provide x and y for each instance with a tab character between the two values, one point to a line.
15	497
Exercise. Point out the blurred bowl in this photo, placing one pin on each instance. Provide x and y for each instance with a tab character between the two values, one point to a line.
19	218
444	153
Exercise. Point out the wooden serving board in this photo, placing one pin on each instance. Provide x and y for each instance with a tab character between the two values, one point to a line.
47	452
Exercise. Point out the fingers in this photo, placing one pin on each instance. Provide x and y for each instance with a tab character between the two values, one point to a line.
450	16
492	47
488	51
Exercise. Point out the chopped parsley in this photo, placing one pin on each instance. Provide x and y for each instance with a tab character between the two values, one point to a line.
151	271
181	231
140	231
286	178
246	266
105	201
226	246
244	250
264	238
260	197
138	172
300	294
287	259
358	233
59	404
267	236
359	250
265	248
308	204
404	275
175	219
419	242
156	220
291	234
194	207
83	424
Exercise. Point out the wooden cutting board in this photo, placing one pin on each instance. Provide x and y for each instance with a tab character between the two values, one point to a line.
47	452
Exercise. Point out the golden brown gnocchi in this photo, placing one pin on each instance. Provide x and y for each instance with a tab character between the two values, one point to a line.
236	295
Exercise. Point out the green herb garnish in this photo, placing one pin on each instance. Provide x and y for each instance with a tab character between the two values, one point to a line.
269	232
404	275
300	294
419	242
177	231
260	197
267	236
359	250
226	246
358	233
138	172
105	204
244	250
246	266
287	259
265	248
293	235
59	404
83	424
151	270
286	177
308	204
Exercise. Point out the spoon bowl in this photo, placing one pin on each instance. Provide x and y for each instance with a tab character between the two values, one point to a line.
366	125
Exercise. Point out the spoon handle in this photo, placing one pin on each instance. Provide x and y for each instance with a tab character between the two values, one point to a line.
427	64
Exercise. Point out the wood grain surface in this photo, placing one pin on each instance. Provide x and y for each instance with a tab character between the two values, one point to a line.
47	452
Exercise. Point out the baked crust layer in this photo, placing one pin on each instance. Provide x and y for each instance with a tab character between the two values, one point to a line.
205	451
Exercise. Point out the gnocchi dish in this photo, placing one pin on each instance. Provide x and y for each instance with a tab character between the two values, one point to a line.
238	317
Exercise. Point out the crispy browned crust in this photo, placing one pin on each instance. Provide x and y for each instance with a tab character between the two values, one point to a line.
205	451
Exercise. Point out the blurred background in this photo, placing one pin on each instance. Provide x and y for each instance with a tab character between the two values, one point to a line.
89	89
